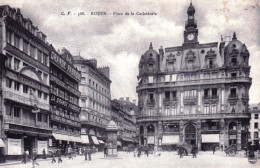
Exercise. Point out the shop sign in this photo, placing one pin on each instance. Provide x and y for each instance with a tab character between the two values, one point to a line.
14	146
65	66
64	85
232	137
42	145
64	103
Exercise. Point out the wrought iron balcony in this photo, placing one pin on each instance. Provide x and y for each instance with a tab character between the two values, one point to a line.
190	100
169	100
233	96
150	101
193	116
210	97
194	82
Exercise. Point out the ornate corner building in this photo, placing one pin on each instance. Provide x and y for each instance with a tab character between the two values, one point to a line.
194	93
25	85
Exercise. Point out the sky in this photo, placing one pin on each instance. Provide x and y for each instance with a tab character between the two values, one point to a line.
118	41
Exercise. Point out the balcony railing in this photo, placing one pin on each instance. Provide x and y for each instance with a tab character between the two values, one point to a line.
26	122
194	116
169	100
233	96
150	101
210	97
194	82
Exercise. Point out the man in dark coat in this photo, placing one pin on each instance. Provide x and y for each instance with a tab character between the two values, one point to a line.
53	156
59	156
34	158
181	150
105	151
194	152
44	154
89	153
214	149
139	151
24	158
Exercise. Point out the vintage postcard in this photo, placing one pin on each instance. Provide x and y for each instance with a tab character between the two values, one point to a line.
128	83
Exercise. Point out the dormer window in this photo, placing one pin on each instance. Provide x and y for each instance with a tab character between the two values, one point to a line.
233	61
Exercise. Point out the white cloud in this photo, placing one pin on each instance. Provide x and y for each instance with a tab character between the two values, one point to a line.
119	41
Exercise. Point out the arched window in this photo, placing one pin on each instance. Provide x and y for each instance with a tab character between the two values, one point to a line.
150	129
233	61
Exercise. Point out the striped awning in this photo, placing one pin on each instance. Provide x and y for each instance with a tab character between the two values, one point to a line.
2	144
85	139
101	142
75	139
95	140
61	137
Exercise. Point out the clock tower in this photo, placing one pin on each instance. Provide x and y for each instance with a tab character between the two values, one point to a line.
191	31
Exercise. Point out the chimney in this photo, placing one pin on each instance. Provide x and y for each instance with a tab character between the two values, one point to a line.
134	102
127	99
121	98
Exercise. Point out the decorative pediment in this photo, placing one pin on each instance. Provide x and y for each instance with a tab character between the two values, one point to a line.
210	54
150	61
234	53
171	58
190	56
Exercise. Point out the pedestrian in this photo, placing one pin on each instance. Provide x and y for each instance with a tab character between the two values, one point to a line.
44	154
214	149
34	158
24	157
221	147
59	156
89	153
135	152
147	151
53	156
139	151
105	151
85	153
181	151
194	152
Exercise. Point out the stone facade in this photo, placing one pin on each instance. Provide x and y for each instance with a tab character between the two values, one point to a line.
25	85
94	100
194	93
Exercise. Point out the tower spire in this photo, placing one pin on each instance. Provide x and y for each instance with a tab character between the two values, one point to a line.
234	36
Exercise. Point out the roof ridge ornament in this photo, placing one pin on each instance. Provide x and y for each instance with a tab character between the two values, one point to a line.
234	36
151	46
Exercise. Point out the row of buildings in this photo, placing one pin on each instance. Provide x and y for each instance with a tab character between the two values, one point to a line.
195	93
50	98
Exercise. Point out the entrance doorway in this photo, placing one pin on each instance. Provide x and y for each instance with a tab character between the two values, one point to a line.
190	134
28	144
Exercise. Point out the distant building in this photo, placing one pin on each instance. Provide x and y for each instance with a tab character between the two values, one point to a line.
94	100
254	124
64	101
123	112
194	93
25	85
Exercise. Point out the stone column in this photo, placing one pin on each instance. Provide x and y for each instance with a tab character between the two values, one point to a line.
181	101
145	135
199	140
222	132
222	98
181	125
156	135
199	100
239	125
159	131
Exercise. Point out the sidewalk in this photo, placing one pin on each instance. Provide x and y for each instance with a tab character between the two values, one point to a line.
16	162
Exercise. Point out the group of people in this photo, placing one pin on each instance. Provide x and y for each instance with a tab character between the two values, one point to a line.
27	157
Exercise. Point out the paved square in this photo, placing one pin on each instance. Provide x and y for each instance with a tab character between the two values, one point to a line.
167	160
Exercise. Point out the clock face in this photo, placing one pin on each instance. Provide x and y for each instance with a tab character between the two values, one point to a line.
190	36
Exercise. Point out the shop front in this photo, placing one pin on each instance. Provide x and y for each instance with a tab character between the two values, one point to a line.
209	140
169	142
